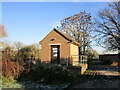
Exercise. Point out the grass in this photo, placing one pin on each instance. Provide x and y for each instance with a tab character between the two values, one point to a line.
9	83
88	71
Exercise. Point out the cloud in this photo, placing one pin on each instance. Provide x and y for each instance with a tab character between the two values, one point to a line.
59	0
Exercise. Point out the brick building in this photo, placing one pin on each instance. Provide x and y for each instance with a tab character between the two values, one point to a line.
57	47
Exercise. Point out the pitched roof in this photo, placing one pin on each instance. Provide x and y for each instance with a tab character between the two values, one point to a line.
64	35
67	37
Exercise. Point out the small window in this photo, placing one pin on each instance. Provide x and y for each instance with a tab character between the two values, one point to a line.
52	39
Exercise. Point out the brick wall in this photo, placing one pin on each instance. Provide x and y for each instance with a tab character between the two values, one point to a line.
111	57
58	40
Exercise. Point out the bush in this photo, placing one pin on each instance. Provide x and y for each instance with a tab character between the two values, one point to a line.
94	62
106	62
49	74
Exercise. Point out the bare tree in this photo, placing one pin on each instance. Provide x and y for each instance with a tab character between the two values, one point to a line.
18	45
92	54
3	34
79	27
108	27
2	31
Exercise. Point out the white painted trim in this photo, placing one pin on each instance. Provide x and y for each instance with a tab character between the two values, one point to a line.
55	44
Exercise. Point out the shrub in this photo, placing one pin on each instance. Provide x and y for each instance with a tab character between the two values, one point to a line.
49	74
106	62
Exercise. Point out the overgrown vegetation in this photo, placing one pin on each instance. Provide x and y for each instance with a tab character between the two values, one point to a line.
13	61
9	82
48	74
42	74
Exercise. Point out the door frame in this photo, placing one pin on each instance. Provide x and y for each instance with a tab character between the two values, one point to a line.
51	52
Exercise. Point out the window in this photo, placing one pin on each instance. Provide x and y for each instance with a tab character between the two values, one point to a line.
52	39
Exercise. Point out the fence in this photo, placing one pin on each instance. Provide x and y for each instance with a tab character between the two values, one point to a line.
75	59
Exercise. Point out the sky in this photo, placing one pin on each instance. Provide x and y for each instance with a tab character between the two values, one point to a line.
30	22
59	0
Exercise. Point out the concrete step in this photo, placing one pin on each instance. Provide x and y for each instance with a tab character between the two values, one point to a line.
104	73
